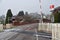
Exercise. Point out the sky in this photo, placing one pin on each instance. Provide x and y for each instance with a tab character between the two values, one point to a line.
30	6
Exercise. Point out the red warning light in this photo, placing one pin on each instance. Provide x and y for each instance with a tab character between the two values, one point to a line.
51	6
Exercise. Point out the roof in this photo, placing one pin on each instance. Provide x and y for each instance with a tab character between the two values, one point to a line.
56	9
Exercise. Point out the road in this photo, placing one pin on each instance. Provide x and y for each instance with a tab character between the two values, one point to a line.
27	37
26	32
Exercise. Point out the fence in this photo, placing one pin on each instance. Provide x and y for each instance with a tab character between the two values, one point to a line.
1	27
9	26
53	28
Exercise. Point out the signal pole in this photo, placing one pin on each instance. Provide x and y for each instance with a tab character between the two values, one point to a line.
40	1
41	20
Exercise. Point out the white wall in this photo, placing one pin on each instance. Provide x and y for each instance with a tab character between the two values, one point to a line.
54	28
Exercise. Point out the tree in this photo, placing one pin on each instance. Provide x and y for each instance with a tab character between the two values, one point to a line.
57	17
28	18
8	16
19	17
21	13
2	19
56	14
26	13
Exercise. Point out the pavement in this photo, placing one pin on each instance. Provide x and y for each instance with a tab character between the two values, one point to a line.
6	35
24	32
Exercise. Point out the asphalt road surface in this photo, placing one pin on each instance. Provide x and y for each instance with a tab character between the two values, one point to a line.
27	37
27	32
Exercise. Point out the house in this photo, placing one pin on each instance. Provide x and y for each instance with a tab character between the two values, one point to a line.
56	14
24	19
57	9
27	19
46	21
46	18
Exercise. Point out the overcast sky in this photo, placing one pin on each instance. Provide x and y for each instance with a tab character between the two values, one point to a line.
26	5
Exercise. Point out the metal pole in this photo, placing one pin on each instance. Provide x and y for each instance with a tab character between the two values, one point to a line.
39	20
40	1
36	34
